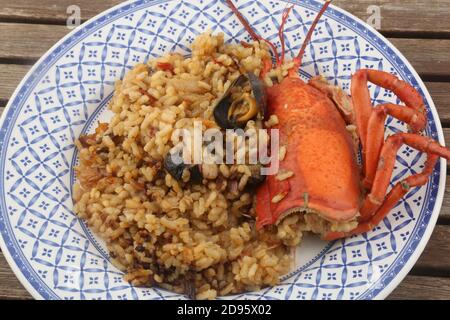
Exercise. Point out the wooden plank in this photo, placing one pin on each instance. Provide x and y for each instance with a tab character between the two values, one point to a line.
447	136
397	15
12	74
54	11
422	288
445	211
10	77
440	93
403	16
10	287
436	256
431	62
28	42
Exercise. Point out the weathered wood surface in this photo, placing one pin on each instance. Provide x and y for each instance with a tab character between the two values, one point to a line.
398	16
422	288
429	56
438	246
10	77
24	42
419	28
10	287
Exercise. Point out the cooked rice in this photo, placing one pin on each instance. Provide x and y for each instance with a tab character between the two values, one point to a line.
273	121
282	153
194	239
279	197
284	175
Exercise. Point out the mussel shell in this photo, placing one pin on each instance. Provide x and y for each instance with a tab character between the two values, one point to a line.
255	182
221	113
196	174
174	165
222	107
256	179
221	110
259	92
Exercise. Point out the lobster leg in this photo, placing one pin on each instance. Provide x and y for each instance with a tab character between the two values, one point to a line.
375	199
398	192
376	130
363	104
370	121
376	206
406	93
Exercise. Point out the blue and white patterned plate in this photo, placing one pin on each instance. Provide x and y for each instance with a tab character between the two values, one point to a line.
56	256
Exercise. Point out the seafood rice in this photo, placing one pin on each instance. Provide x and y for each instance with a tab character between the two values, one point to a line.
197	239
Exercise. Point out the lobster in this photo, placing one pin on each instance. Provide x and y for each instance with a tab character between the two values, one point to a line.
321	153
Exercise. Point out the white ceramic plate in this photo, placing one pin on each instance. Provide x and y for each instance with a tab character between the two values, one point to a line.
56	256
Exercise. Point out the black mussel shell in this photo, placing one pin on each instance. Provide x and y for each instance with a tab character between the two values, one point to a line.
259	92
256	178
174	165
222	108
196	174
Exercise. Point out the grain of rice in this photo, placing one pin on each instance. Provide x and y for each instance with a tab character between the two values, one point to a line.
282	153
284	175
272	122
279	197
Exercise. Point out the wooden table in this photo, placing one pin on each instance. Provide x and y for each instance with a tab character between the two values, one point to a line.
419	28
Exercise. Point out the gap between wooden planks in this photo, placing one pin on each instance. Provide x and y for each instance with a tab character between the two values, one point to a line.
398	16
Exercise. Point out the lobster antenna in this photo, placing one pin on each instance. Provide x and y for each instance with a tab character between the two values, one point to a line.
310	32
250	30
281	33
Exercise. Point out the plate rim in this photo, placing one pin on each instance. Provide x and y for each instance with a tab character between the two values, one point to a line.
397	279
